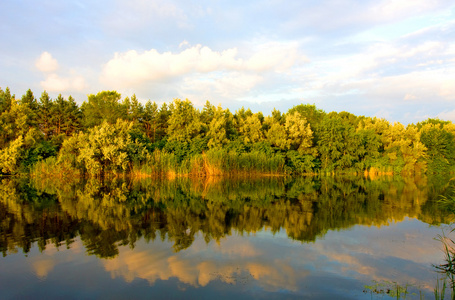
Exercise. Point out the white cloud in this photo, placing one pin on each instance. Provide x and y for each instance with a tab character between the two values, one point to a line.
447	115
134	69
55	83
380	56
46	63
216	87
409	97
419	86
184	44
275	56
395	70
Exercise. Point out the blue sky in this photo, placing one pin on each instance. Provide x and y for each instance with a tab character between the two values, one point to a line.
393	59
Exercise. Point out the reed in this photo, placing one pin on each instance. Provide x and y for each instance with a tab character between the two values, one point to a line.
51	167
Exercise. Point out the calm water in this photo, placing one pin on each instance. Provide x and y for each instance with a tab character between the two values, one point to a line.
278	238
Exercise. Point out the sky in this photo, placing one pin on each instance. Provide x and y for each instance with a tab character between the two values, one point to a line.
392	59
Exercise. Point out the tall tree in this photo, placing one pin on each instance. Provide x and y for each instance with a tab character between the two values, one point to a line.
164	115
136	111
104	106
220	128
150	120
7	118
45	114
299	133
207	114
249	126
339	145
312	114
105	148
184	122
59	115
440	144
27	113
73	117
10	156
276	133
5	100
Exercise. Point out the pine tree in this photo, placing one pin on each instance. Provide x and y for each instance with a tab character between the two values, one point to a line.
45	115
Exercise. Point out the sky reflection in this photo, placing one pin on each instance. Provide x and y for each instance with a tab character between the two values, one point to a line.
401	252
276	245
262	264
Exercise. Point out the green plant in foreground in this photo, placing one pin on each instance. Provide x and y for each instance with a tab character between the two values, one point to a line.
440	291
449	251
448	267
391	289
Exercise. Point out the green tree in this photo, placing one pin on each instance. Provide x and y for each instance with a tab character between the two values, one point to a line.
369	149
104	106
299	133
7	118
5	100
207	115
164	115
59	115
249	126
184	122
29	100
313	115
440	145
105	148
10	156
136	111
220	128
26	113
45	110
276	133
403	150
150	120
339	145
73	118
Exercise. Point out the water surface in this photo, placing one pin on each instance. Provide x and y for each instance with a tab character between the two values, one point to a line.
274	238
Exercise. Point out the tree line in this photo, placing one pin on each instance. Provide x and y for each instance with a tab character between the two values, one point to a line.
110	135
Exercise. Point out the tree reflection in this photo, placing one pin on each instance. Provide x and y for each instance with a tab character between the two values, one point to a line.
107	214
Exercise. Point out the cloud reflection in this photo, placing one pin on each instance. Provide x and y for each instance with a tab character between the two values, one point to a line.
247	264
43	267
363	254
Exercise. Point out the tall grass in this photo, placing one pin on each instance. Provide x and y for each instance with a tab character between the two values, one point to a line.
211	163
448	267
51	167
221	161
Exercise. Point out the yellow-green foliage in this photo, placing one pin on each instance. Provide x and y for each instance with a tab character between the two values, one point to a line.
250	128
108	134
294	134
217	132
184	123
10	156
104	148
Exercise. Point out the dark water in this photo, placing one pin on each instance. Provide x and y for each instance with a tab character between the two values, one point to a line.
278	238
